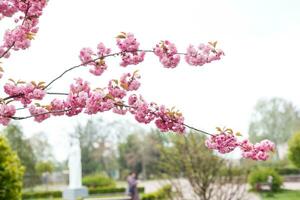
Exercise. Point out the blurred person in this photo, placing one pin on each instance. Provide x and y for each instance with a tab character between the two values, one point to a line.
132	190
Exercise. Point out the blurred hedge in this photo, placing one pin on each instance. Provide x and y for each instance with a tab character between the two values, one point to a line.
288	171
162	194
98	180
48	194
92	191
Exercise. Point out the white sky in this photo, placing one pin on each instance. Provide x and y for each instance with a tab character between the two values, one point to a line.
260	39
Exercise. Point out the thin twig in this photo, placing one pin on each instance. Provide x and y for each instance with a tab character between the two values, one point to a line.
96	59
44	113
57	93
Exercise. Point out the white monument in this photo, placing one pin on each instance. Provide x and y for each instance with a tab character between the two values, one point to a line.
75	189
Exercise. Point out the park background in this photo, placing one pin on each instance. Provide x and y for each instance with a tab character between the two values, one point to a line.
261	43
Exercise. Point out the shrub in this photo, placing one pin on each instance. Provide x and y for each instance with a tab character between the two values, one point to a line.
161	194
294	149
11	172
35	195
110	190
98	180
107	190
288	171
260	175
58	194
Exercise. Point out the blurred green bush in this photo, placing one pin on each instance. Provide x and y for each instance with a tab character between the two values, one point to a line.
162	194
11	172
98	180
260	176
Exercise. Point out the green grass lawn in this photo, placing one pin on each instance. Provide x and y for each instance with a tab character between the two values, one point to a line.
283	195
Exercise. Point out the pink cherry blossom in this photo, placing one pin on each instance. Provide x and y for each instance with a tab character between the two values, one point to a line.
204	54
130	82
20	37
8	8
98	102
24	92
86	55
6	111
129	47
115	91
39	113
167	53
223	142
96	60
142	111
169	120
56	106
258	151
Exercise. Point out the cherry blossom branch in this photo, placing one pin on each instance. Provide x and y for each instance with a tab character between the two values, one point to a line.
82	99
76	66
13	44
188	126
39	114
116	105
96	59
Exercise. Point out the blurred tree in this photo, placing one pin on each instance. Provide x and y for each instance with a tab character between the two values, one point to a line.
130	154
45	168
41	147
275	119
210	177
151	142
140	153
25	152
97	149
11	172
294	149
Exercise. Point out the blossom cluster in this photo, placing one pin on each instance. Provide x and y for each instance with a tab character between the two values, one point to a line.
39	113
203	54
81	98
225	141
6	112
167	53
95	59
129	47
132	55
143	112
130	82
25	92
8	8
165	119
20	37
258	151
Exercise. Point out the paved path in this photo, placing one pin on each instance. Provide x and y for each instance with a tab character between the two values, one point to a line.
291	185
151	186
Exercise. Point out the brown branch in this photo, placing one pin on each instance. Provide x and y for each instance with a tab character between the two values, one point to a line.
116	104
188	126
30	116
57	93
96	59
